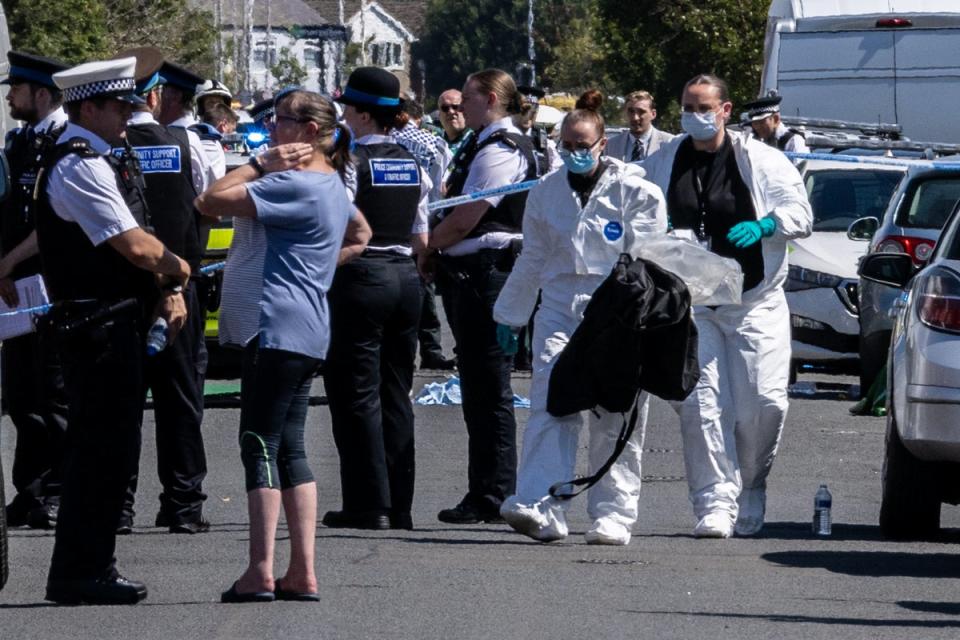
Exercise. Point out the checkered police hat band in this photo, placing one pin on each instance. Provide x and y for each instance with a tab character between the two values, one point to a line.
116	86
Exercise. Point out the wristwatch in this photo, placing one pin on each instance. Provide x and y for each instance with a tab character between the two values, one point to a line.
255	163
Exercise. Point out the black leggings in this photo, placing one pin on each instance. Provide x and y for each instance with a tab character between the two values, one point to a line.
274	395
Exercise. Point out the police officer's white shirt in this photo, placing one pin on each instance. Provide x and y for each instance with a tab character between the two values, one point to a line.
200	172
84	190
206	156
496	165
421	222
796	144
54	119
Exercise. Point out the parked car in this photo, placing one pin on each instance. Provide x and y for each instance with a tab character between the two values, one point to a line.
911	224
922	457
822	279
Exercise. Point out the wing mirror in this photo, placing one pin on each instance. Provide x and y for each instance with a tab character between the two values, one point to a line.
892	269
863	228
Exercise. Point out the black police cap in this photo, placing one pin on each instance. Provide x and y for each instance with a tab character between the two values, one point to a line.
28	67
759	109
180	77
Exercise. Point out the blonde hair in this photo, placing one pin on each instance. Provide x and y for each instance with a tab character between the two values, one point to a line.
499	82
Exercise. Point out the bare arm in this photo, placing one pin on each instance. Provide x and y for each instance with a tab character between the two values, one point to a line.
355	238
228	196
145	251
24	250
458	224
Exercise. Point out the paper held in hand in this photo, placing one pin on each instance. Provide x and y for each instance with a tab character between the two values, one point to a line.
32	293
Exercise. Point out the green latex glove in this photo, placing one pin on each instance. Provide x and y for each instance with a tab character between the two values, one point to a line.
746	234
507	339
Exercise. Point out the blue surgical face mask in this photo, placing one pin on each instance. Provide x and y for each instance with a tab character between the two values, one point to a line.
700	126
580	161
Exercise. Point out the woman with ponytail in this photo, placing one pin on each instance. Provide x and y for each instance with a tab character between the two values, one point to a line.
578	221
292	216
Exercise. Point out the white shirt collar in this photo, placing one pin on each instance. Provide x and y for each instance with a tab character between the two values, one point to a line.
54	119
142	117
645	138
97	143
503	123
184	121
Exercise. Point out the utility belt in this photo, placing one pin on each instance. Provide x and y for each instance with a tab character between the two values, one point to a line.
74	318
499	259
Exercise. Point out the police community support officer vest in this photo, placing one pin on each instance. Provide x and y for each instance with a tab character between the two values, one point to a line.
508	215
24	151
164	155
388	191
75	269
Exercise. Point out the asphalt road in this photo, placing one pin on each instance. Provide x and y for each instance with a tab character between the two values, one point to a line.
485	581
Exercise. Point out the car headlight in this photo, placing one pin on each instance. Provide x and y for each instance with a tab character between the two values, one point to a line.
800	279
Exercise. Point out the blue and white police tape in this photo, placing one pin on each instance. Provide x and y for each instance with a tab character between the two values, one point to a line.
480	195
893	162
212	267
39	310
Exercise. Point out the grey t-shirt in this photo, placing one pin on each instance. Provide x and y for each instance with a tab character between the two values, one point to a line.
304	215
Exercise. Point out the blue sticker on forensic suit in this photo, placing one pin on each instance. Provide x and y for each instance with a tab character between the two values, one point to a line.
612	231
160	159
394	172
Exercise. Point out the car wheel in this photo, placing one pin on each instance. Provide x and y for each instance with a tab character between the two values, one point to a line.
873	355
910	507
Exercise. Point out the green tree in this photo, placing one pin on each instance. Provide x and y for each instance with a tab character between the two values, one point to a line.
658	45
288	70
71	30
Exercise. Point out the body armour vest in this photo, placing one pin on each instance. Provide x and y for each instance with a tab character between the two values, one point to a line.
388	191
508	215
75	269
24	151
164	155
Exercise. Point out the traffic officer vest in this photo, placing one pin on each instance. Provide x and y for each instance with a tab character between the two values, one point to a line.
75	269
164	155
24	152
508	215
388	191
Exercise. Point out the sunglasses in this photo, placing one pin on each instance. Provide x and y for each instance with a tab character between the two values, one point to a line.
447	108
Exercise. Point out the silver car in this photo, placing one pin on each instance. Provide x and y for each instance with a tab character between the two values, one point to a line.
911	224
922	459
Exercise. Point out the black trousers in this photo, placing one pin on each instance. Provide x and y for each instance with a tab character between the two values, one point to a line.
37	403
103	375
175	377
374	313
472	284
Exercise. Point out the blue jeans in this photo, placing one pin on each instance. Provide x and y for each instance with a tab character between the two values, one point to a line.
274	395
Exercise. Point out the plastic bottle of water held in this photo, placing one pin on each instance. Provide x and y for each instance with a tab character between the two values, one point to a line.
157	337
822	525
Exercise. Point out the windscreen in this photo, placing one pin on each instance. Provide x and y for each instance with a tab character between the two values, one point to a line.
840	196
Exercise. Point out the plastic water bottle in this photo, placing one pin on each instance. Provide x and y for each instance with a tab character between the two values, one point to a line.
822	525
157	337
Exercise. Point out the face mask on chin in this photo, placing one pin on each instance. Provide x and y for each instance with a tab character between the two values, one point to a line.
700	126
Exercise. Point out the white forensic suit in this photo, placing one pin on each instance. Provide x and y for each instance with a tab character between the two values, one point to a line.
568	250
731	423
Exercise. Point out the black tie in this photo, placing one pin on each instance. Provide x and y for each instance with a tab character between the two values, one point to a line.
637	153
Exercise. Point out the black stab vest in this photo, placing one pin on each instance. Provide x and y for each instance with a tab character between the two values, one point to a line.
17	220
388	191
508	215
75	269
164	154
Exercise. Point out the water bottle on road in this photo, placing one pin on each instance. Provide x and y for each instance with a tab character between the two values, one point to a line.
157	337
822	526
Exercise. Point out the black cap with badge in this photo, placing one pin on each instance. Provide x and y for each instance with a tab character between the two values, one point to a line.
763	108
27	67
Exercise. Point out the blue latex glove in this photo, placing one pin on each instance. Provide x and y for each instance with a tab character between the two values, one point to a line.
746	234
507	339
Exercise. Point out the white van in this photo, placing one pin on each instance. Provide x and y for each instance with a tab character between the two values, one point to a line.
875	61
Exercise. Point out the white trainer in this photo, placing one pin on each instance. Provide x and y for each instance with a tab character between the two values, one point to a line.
607	531
716	524
752	507
541	521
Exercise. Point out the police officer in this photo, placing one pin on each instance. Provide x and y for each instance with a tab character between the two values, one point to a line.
32	378
175	376
108	277
478	242
764	115
544	148
176	110
374	314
